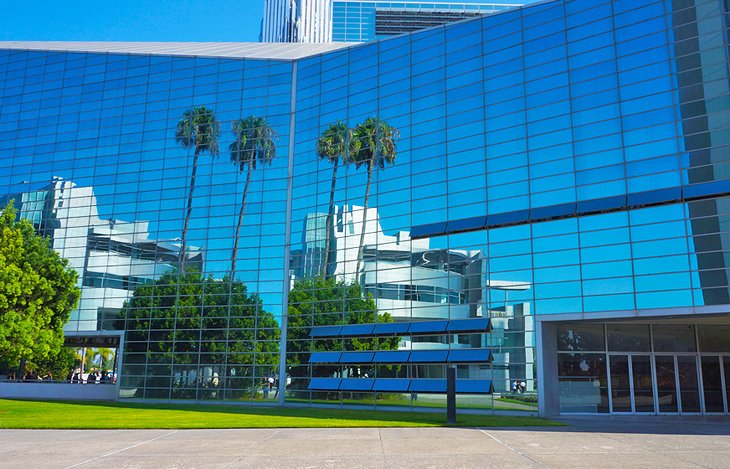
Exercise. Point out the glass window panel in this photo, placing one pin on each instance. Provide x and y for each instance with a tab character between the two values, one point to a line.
583	383
712	384
666	384
581	337
620	383
726	370
628	337
643	383
714	338
689	392
674	338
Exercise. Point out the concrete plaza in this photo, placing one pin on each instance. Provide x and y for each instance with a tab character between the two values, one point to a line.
622	442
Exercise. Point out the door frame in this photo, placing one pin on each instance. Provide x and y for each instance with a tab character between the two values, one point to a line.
630	361
677	389
724	358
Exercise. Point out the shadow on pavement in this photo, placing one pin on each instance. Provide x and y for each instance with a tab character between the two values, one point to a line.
641	424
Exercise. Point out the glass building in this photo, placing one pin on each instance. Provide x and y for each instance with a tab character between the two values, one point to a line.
366	20
560	168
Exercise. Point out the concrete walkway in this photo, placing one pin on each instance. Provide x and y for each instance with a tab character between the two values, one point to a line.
662	442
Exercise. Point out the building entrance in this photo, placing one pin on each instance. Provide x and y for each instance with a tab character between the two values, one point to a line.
668	383
716	383
644	369
631	383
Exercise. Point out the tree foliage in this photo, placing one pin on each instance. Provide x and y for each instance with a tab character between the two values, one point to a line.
37	292
373	145
254	141
333	142
198	128
188	321
57	364
322	301
332	146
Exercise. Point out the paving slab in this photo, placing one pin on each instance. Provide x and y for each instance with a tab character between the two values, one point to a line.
585	442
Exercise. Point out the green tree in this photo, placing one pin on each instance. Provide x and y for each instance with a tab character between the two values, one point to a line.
58	364
321	301
37	292
373	146
254	141
331	146
98	358
198	129
183	322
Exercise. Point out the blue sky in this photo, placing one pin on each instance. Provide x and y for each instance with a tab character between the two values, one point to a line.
131	20
135	20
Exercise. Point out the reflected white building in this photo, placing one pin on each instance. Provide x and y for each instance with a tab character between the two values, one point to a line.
406	277
111	256
411	280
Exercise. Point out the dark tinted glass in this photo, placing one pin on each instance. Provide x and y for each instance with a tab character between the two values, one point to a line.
581	337
674	338
714	337
628	337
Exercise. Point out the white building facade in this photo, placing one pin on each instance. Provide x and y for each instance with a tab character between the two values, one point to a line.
112	257
306	21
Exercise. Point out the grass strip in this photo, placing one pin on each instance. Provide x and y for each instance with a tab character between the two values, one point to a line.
124	415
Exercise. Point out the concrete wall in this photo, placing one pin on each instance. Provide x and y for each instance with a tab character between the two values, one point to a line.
63	391
548	387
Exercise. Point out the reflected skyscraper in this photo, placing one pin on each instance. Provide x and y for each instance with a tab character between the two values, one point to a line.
307	21
314	21
367	20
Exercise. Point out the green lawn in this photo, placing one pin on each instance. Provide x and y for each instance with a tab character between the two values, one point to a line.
101	415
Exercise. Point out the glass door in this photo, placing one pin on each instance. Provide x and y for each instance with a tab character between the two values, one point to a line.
689	389
712	384
632	387
726	380
642	382
666	384
620	384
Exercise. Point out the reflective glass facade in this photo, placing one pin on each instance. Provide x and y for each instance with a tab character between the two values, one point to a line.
590	139
366	20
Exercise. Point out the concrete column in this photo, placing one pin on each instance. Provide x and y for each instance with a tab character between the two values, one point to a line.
548	387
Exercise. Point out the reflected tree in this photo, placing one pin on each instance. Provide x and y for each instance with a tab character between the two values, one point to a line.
331	146
372	145
254	141
320	301
198	129
189	321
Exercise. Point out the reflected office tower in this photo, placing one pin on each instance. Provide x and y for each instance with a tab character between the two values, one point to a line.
361	20
112	257
307	21
367	20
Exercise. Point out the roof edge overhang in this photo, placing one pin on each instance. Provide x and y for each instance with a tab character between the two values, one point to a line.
234	50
